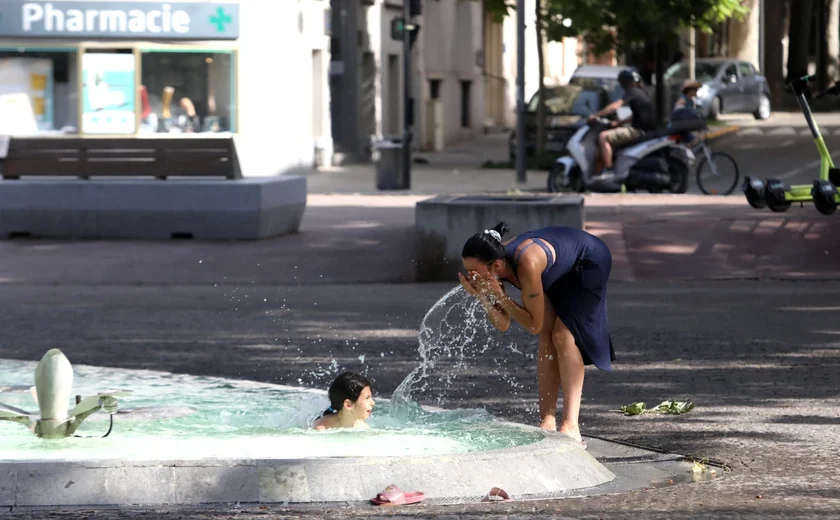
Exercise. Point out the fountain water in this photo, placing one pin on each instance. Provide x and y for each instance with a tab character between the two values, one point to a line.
454	332
224	440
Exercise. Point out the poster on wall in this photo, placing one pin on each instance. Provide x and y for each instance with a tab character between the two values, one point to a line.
108	93
26	96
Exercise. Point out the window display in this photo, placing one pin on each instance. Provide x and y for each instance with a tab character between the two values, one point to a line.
187	92
109	93
38	92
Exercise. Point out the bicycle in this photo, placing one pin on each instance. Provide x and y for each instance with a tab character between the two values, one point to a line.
712	168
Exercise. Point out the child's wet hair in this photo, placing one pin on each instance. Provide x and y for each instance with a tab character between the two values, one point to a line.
347	385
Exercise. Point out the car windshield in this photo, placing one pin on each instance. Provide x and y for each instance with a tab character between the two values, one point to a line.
569	99
609	84
702	72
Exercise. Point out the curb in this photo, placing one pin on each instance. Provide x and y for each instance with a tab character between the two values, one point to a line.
715	134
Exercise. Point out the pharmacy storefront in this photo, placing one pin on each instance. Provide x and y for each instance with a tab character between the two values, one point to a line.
110	68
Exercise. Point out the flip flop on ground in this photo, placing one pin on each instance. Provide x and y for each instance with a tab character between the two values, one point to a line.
496	495
394	496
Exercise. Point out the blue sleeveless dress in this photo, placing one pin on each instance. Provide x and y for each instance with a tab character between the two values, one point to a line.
576	285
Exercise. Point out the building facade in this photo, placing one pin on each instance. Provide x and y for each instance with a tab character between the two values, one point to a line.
366	75
179	69
451	63
560	61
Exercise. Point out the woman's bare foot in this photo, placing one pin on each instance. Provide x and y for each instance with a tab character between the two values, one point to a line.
549	423
572	430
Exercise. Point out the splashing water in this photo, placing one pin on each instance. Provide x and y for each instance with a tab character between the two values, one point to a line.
176	416
455	342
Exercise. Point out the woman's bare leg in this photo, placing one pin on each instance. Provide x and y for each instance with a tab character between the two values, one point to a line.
548	372
571	377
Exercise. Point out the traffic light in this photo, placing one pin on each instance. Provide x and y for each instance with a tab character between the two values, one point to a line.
398	30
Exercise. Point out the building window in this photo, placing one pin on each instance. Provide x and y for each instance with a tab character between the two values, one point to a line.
38	91
434	89
187	92
109	92
465	103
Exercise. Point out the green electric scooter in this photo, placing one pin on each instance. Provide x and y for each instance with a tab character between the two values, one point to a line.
778	195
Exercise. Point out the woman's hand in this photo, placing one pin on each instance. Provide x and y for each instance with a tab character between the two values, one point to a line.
468	285
488	285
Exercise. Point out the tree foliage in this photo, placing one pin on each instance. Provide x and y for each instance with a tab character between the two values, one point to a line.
608	23
499	8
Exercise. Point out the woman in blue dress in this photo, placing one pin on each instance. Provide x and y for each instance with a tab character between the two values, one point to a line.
562	273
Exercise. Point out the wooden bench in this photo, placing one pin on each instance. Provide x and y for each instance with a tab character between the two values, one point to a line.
121	157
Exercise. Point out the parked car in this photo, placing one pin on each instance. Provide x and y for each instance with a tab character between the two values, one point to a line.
591	88
566	106
605	76
728	86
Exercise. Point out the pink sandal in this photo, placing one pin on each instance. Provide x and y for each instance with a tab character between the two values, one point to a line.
496	495
393	496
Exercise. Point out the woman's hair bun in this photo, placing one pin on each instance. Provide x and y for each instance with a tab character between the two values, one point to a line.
501	227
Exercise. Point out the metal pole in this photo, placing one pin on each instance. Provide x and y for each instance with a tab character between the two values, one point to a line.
762	42
692	52
521	159
408	112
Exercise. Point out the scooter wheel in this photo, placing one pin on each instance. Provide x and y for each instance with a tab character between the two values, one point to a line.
776	204
823	194
555	178
754	192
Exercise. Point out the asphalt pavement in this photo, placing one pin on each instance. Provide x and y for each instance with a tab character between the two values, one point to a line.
788	154
709	300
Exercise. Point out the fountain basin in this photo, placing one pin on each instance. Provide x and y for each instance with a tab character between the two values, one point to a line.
192	440
553	465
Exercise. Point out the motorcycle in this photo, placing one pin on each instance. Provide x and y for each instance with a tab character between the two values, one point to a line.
658	161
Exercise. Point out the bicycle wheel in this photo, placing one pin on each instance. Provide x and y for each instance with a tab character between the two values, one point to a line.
718	177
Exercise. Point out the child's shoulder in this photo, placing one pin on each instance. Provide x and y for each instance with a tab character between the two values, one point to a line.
327	421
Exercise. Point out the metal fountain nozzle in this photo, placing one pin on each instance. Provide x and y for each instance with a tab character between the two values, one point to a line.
53	386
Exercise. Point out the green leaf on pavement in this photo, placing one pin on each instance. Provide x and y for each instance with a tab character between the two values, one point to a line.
674	407
634	409
665	407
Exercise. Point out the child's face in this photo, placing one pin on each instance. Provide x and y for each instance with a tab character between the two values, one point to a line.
363	406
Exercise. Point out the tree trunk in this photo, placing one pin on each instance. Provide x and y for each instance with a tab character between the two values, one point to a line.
743	35
822	44
540	145
774	31
832	30
799	39
660	50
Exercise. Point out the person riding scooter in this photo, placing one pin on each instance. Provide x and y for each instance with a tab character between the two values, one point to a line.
643	119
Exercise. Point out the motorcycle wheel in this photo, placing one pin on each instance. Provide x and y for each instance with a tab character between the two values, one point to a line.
678	171
555	178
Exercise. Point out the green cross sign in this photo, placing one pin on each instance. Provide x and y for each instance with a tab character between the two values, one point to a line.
220	19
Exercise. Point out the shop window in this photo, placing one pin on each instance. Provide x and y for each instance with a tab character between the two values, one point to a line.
187	92
109	92
38	92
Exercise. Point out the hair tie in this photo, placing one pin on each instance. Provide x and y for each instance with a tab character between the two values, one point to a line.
331	409
495	234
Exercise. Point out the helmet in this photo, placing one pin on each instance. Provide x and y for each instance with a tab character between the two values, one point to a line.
627	77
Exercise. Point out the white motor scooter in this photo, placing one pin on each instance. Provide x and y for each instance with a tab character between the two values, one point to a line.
656	162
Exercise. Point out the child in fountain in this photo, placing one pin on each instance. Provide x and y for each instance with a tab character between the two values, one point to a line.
351	403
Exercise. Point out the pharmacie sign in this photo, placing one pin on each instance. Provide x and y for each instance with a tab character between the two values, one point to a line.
137	20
